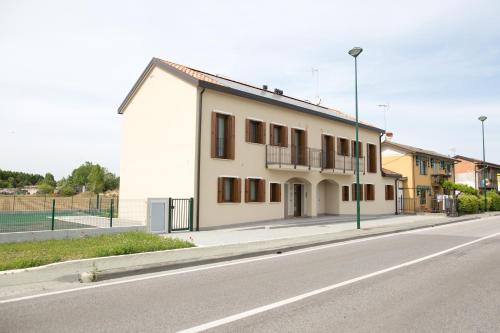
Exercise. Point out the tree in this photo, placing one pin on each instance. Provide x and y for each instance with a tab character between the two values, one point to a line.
47	184
94	177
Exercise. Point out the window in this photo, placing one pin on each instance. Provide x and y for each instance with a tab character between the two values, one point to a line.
353	190
353	148
275	192
222	136
423	198
389	192
422	193
327	146
343	146
422	165
371	158
345	193
369	192
255	190
278	135
255	131
229	189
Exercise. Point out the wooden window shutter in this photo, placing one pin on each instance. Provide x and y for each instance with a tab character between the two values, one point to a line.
324	153
261	191
220	189
271	134
284	136
213	149
360	148
303	148
386	192
278	192
366	192
237	190
230	139
247	130
353	147
373	192
247	190
353	190
262	128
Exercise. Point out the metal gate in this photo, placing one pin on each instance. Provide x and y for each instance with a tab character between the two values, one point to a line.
180	214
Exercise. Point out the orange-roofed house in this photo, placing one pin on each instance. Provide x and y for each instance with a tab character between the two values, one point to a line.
243	153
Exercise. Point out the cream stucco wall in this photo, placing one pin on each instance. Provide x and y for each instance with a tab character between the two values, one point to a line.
158	147
250	162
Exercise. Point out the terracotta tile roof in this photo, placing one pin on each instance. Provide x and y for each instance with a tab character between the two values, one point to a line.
190	71
224	81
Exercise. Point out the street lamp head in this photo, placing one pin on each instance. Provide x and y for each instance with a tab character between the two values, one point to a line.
355	51
482	118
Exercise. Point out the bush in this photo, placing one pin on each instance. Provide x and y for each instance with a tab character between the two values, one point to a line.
494	200
468	204
462	188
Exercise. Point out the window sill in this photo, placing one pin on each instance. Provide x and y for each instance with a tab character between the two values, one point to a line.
222	159
255	143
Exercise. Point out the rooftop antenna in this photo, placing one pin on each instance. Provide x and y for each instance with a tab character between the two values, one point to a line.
453	151
386	107
315	74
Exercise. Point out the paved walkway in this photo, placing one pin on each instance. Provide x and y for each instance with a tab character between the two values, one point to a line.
292	228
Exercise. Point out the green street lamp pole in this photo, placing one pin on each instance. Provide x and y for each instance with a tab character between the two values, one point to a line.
482	119
355	52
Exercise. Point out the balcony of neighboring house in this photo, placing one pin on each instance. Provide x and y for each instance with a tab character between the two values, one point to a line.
438	179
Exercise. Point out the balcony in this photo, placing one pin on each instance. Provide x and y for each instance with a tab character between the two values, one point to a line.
307	158
437	179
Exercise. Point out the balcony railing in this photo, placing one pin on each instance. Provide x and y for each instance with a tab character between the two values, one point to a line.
293	156
311	158
438	179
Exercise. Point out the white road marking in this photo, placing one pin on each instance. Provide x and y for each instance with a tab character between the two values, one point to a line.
226	264
297	298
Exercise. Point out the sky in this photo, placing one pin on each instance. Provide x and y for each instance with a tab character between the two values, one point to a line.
65	67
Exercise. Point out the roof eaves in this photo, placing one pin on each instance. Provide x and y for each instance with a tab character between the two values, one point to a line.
263	99
155	62
416	151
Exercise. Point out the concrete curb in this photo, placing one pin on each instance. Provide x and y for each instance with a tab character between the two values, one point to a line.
140	263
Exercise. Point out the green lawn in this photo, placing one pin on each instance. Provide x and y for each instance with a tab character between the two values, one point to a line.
30	254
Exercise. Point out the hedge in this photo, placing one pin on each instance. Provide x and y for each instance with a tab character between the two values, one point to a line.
468	204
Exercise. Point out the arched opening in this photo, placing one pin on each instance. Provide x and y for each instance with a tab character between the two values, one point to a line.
297	197
327	197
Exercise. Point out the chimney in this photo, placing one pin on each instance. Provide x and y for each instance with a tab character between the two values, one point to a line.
388	136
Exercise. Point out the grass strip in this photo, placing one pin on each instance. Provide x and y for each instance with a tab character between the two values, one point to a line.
37	253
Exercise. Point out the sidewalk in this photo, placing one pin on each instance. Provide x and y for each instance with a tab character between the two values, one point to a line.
298	227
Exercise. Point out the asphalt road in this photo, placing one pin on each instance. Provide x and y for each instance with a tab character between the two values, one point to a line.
445	279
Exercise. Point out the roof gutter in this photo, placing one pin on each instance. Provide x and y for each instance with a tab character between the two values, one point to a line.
198	160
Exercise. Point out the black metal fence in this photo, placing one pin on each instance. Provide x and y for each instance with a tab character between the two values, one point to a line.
446	205
180	217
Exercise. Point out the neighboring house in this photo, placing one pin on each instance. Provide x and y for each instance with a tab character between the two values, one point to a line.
470	171
423	171
244	153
